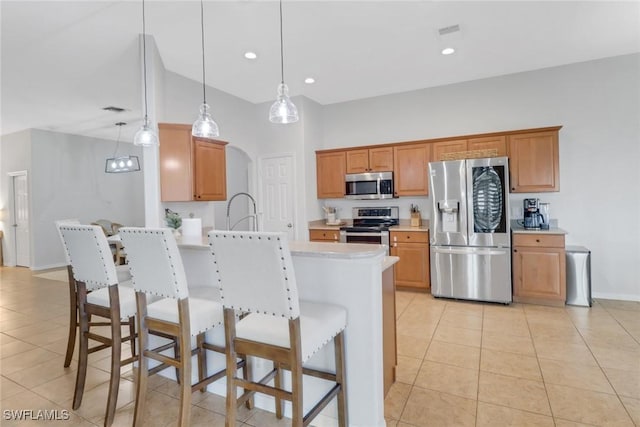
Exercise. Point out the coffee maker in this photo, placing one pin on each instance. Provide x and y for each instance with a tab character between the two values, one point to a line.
532	216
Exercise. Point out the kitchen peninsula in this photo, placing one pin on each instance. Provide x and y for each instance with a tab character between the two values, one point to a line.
358	277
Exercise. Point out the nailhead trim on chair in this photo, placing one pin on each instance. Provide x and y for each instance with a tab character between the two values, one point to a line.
286	278
104	264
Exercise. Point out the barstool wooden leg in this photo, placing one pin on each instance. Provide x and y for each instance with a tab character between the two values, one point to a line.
277	382
132	334
202	360
185	365
83	350
73	318
116	355
143	362
338	342
230	336
297	411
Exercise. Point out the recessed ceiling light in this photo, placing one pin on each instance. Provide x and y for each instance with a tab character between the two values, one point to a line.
250	55
309	80
448	51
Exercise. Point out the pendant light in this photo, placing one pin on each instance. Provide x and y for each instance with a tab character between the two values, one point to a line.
283	111
120	164
147	135
204	126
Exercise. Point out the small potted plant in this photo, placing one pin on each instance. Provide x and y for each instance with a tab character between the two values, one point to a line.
174	221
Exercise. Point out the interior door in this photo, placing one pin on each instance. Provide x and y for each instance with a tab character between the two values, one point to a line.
277	193
21	219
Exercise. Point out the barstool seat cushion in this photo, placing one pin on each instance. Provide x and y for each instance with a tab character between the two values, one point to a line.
319	323
203	314
127	299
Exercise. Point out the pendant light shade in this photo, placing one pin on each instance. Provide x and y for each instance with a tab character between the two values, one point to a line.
283	111
147	135
204	126
121	164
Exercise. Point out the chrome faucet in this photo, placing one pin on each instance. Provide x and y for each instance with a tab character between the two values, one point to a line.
254	215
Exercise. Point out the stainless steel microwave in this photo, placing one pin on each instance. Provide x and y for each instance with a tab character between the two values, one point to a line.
370	185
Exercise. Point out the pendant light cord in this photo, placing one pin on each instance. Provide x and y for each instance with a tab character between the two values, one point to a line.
144	63
119	124
204	90
281	47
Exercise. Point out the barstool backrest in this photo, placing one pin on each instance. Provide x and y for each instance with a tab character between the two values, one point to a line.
255	272
89	255
58	224
155	262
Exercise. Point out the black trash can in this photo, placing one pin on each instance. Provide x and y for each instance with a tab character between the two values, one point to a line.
578	276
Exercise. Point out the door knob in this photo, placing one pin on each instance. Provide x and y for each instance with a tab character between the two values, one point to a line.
290	225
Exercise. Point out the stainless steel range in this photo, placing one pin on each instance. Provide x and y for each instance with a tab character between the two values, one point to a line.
370	225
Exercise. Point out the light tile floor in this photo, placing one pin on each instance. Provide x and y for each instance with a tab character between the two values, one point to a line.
460	363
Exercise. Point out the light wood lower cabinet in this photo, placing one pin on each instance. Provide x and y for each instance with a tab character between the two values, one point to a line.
324	235
412	271
539	269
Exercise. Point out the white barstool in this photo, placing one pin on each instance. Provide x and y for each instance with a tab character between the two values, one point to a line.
157	269
255	273
123	275
98	294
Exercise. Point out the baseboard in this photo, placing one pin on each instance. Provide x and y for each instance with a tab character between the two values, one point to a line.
48	267
622	297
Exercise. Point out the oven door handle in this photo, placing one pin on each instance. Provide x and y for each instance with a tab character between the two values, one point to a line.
363	234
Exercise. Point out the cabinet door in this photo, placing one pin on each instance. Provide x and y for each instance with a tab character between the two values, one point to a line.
534	162
413	268
539	274
381	159
499	143
439	149
330	171
210	174
176	174
410	169
357	161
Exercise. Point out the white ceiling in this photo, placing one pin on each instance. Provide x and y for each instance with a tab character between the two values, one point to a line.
63	61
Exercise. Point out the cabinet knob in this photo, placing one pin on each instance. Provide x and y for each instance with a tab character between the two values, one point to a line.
538	240
408	237
515	250
513	188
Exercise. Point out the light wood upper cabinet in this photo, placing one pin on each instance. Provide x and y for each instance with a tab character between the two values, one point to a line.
410	169
499	143
191	168
330	172
370	160
534	162
210	170
438	149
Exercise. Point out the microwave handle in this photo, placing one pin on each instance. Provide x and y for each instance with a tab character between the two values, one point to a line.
378	186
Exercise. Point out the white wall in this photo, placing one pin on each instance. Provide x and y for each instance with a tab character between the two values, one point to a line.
67	180
15	155
598	105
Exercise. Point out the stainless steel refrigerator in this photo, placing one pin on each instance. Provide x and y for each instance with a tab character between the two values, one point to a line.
469	229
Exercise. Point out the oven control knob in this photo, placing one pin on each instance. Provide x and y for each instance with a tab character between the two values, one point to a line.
290	225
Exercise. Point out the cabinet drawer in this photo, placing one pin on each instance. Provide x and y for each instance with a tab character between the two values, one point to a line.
324	235
410	236
539	240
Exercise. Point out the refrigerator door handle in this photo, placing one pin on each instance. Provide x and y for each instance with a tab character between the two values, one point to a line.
474	251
